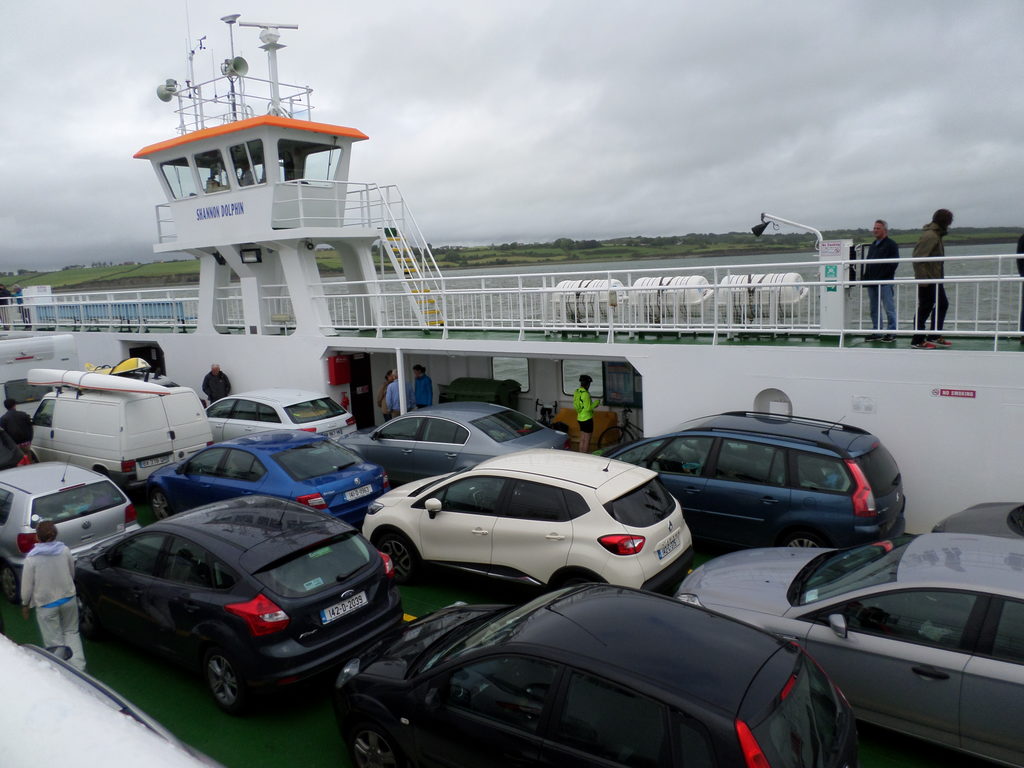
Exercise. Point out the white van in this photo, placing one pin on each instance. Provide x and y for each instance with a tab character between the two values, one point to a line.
121	427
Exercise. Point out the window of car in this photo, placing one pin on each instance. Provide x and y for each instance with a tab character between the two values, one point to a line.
610	722
242	465
187	563
205	463
478	494
266	413
139	554
643	506
507	689
1008	643
936	618
316	409
693	743
576	504
6	501
682	455
444	431
247	410
311	570
640	454
534	501
221	409
815	472
316	459
844	570
506	425
76	501
751	463
43	416
400	429
880	469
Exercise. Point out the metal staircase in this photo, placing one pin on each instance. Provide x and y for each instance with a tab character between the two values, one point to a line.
411	258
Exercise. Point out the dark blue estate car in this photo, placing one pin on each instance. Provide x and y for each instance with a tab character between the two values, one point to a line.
304	467
762	480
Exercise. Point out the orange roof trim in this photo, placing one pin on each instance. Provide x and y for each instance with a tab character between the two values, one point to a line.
252	122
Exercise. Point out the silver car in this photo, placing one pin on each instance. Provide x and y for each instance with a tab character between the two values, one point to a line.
86	506
448	437
924	635
264	409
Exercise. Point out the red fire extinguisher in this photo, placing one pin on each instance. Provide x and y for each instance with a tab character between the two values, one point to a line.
344	400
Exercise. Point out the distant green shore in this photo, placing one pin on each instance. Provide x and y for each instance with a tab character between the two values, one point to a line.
562	251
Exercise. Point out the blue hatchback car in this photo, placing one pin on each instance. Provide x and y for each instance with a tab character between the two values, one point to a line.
763	480
300	466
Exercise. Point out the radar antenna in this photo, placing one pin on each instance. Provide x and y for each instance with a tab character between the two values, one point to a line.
269	35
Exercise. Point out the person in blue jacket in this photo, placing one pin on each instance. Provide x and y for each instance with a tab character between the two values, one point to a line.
423	387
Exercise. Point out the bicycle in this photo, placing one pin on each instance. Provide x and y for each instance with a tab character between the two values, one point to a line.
625	432
547	414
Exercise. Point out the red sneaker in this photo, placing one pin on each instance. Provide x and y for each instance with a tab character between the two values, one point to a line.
924	345
941	342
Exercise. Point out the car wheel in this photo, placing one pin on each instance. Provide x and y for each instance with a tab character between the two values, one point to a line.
403	555
9	581
88	621
224	682
372	747
802	539
160	505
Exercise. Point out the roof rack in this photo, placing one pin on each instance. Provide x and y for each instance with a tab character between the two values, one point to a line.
829	425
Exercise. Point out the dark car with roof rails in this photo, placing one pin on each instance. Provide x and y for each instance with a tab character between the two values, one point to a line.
592	675
760	479
256	593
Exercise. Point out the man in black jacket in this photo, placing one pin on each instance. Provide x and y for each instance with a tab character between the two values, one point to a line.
884	247
17	424
216	384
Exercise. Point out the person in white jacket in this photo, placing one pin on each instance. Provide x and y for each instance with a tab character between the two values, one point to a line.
48	585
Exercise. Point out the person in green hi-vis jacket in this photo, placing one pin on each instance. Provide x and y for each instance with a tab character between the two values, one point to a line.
585	405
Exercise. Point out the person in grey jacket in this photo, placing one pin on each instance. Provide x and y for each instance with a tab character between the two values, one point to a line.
931	296
884	247
48	585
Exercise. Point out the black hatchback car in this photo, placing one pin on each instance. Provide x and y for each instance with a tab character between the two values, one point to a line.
763	480
255	592
586	676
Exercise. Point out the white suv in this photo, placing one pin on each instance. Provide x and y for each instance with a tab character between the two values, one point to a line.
263	409
541	517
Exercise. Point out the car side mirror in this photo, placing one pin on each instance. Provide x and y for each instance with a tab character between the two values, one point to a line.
837	622
432	701
180	469
433	506
100	562
375	436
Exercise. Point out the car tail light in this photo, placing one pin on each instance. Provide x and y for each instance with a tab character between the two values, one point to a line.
566	444
307	429
209	443
130	515
26	541
261	614
863	497
622	544
314	500
385	482
389	567
127	465
350	421
753	755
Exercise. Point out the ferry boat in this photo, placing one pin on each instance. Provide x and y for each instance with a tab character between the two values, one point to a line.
255	189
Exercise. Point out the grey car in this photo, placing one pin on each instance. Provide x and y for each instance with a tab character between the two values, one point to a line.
448	437
924	635
994	518
86	506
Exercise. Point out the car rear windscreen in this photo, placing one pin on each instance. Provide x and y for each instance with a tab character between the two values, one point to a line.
323	457
804	727
77	501
313	410
506	425
880	469
649	504
312	570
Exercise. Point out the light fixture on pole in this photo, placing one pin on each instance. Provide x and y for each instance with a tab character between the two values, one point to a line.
768	219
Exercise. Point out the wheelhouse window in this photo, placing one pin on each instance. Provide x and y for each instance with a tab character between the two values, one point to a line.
307	160
212	171
248	163
179	177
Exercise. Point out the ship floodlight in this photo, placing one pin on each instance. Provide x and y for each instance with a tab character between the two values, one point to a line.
758	229
165	91
767	218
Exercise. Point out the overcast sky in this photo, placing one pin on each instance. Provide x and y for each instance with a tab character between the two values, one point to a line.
534	120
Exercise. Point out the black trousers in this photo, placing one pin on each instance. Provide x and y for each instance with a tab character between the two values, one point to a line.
931	303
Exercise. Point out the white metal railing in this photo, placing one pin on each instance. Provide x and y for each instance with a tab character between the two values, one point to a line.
985	297
217	101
